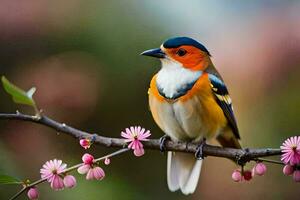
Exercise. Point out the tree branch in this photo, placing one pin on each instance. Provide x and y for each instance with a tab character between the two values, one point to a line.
240	155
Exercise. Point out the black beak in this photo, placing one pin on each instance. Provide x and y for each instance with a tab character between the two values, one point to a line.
157	53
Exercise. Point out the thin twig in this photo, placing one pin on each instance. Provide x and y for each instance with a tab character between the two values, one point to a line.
65	171
269	161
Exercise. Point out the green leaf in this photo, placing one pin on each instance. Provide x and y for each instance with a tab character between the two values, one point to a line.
18	95
5	179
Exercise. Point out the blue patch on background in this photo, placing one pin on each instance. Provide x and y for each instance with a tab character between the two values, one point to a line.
179	41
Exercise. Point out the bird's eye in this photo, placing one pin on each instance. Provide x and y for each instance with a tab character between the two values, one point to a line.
181	52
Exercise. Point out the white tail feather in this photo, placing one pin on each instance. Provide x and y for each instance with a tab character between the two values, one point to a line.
183	172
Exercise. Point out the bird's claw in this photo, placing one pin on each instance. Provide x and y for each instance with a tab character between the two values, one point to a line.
162	143
199	155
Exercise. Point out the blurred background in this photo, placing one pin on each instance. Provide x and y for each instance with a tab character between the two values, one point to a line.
83	57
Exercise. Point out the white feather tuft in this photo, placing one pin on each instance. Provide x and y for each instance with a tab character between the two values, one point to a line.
183	172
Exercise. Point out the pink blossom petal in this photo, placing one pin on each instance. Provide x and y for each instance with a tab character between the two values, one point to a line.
128	131
90	174
69	181
98	173
130	145
142	131
132	130
139	152
57	183
126	135
83	169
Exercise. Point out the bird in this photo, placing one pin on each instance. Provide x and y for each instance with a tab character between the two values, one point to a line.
189	101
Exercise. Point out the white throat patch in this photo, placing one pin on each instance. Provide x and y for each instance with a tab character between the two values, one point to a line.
173	78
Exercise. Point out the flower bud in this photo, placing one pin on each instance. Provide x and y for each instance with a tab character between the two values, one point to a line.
95	173
98	173
83	169
236	176
69	181
260	169
139	152
57	183
85	143
33	193
88	159
107	161
288	170
296	176
247	175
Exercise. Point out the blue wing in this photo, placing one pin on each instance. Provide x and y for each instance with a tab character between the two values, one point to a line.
223	99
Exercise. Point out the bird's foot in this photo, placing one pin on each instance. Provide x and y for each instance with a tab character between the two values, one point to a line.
199	155
162	143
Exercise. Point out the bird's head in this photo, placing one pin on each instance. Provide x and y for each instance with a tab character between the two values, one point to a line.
185	51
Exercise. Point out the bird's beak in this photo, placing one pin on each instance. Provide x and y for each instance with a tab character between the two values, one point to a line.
157	53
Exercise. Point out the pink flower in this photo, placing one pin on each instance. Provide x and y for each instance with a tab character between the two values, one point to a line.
259	169
69	181
88	159
57	183
288	170
85	143
84	169
107	161
296	176
135	135
236	175
89	168
291	150
95	173
52	168
33	193
52	172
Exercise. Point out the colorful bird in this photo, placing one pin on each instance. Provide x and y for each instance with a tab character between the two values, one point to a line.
189	102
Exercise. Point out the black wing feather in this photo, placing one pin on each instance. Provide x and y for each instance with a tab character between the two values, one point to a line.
222	97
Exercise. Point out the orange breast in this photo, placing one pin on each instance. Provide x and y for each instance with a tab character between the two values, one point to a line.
211	113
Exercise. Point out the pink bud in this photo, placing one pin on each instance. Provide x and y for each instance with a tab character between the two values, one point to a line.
90	174
236	175
33	193
88	159
98	173
85	143
57	182
296	176
69	181
139	152
247	175
95	173
107	161
260	169
83	169
288	170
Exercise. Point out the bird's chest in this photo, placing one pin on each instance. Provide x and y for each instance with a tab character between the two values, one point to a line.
189	117
182	120
175	81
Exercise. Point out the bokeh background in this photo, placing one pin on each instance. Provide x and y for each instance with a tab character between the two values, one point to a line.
83	57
